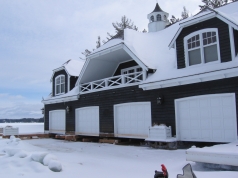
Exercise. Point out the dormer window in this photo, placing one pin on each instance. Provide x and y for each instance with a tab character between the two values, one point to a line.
202	47
158	17
152	18
60	85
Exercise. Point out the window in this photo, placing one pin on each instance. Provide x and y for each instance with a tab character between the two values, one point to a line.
165	18
152	18
133	72
60	85
158	17
202	47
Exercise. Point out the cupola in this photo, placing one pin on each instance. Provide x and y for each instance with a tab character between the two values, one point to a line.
158	19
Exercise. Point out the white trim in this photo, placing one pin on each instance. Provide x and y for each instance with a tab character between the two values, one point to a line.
58	69
59	76
204	96
76	121
232	43
196	78
201	19
114	117
201	46
61	100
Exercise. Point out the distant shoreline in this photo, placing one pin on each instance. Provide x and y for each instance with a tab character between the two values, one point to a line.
23	120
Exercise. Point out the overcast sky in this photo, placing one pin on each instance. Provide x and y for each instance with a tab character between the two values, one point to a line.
37	36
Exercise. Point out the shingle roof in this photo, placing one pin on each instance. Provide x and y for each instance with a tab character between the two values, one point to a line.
157	8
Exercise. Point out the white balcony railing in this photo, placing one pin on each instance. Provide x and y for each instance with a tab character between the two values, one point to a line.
113	82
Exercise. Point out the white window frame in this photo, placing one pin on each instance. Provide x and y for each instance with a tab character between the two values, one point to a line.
201	47
59	84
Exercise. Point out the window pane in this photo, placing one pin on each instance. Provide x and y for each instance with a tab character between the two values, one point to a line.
58	81
210	53
194	57
62	88
62	79
57	89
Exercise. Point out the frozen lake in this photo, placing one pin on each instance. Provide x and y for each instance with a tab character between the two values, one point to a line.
26	128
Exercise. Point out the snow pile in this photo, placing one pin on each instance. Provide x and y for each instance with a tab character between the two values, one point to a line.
46	159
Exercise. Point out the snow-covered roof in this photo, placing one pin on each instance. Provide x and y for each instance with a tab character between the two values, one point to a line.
72	95
73	67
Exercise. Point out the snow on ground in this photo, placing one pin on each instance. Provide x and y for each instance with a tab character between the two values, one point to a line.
26	128
86	160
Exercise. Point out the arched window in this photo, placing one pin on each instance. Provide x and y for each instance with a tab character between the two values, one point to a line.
152	18
202	47
158	17
59	84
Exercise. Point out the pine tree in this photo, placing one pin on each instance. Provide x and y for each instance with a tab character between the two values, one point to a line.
173	20
98	42
214	3
121	26
184	14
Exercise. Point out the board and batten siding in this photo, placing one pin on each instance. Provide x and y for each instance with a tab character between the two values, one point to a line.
164	113
224	39
56	74
73	80
236	40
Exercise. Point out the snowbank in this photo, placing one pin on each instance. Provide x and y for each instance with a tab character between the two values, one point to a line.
46	159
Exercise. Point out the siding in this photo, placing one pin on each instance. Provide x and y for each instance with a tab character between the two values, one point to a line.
164	113
124	65
236	40
223	32
73	80
61	72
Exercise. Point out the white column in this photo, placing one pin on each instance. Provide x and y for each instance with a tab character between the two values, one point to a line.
144	74
232	43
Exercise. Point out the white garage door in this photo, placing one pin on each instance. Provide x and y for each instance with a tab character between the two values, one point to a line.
132	119
87	121
57	121
209	118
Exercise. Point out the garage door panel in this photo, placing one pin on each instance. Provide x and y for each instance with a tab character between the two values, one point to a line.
207	118
87	121
135	120
57	121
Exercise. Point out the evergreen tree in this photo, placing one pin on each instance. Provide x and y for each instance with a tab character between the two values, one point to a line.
121	26
98	42
184	14
173	20
214	3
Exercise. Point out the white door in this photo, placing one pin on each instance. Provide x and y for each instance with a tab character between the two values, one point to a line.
57	121
87	121
209	118
132	119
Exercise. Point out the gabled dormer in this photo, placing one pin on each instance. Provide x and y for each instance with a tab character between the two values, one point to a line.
114	65
205	39
64	78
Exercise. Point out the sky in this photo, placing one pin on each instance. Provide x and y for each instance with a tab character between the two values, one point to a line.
39	36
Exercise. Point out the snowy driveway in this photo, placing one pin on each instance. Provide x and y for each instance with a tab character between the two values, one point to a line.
88	160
